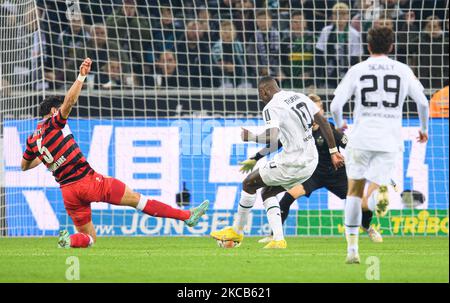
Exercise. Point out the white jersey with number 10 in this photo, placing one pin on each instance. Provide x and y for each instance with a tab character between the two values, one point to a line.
380	86
293	114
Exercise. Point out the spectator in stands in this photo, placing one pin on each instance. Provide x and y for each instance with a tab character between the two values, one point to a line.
384	21
430	54
229	57
112	77
97	11
314	11
366	12
209	25
101	50
7	57
297	49
167	31
223	7
167	73
132	32
391	9
243	18
281	13
407	31
194	56
264	48
339	46
30	65
72	38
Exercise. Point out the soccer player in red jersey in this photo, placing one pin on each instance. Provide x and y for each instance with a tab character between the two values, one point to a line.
53	144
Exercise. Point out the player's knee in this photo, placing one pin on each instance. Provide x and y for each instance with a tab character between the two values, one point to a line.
248	186
130	198
356	188
136	196
297	191
355	193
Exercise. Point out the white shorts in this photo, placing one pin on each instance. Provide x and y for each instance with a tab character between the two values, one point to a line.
375	166
285	175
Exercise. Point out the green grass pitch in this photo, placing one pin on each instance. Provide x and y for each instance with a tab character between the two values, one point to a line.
189	259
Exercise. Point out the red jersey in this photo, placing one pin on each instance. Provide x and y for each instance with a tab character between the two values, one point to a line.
54	145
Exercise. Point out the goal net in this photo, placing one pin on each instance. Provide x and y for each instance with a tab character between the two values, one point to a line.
172	84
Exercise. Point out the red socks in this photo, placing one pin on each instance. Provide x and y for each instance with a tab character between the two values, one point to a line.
157	209
80	240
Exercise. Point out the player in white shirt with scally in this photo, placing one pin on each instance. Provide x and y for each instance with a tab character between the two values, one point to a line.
380	86
289	117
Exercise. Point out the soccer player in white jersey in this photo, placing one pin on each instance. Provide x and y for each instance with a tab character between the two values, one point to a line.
289	117
380	86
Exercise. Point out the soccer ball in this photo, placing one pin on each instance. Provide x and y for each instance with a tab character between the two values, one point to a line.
227	243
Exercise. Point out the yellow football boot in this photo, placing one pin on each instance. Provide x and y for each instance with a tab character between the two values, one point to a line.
276	244
226	234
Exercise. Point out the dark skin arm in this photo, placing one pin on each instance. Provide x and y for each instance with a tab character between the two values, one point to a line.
336	158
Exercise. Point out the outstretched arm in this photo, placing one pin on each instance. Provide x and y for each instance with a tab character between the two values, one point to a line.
269	136
72	95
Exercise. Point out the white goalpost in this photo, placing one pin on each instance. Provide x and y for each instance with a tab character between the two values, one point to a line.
174	81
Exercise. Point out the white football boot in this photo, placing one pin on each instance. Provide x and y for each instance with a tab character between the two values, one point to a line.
374	235
352	258
266	239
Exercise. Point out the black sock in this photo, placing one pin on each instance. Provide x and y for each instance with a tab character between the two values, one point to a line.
366	218
285	204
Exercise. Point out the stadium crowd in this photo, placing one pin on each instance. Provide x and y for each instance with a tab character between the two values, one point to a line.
220	43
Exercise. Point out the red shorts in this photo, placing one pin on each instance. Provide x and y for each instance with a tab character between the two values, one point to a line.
94	187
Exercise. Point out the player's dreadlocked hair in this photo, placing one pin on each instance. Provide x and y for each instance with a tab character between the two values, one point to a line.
46	105
380	39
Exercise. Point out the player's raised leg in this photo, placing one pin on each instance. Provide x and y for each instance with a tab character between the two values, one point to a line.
96	187
367	214
156	208
378	199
